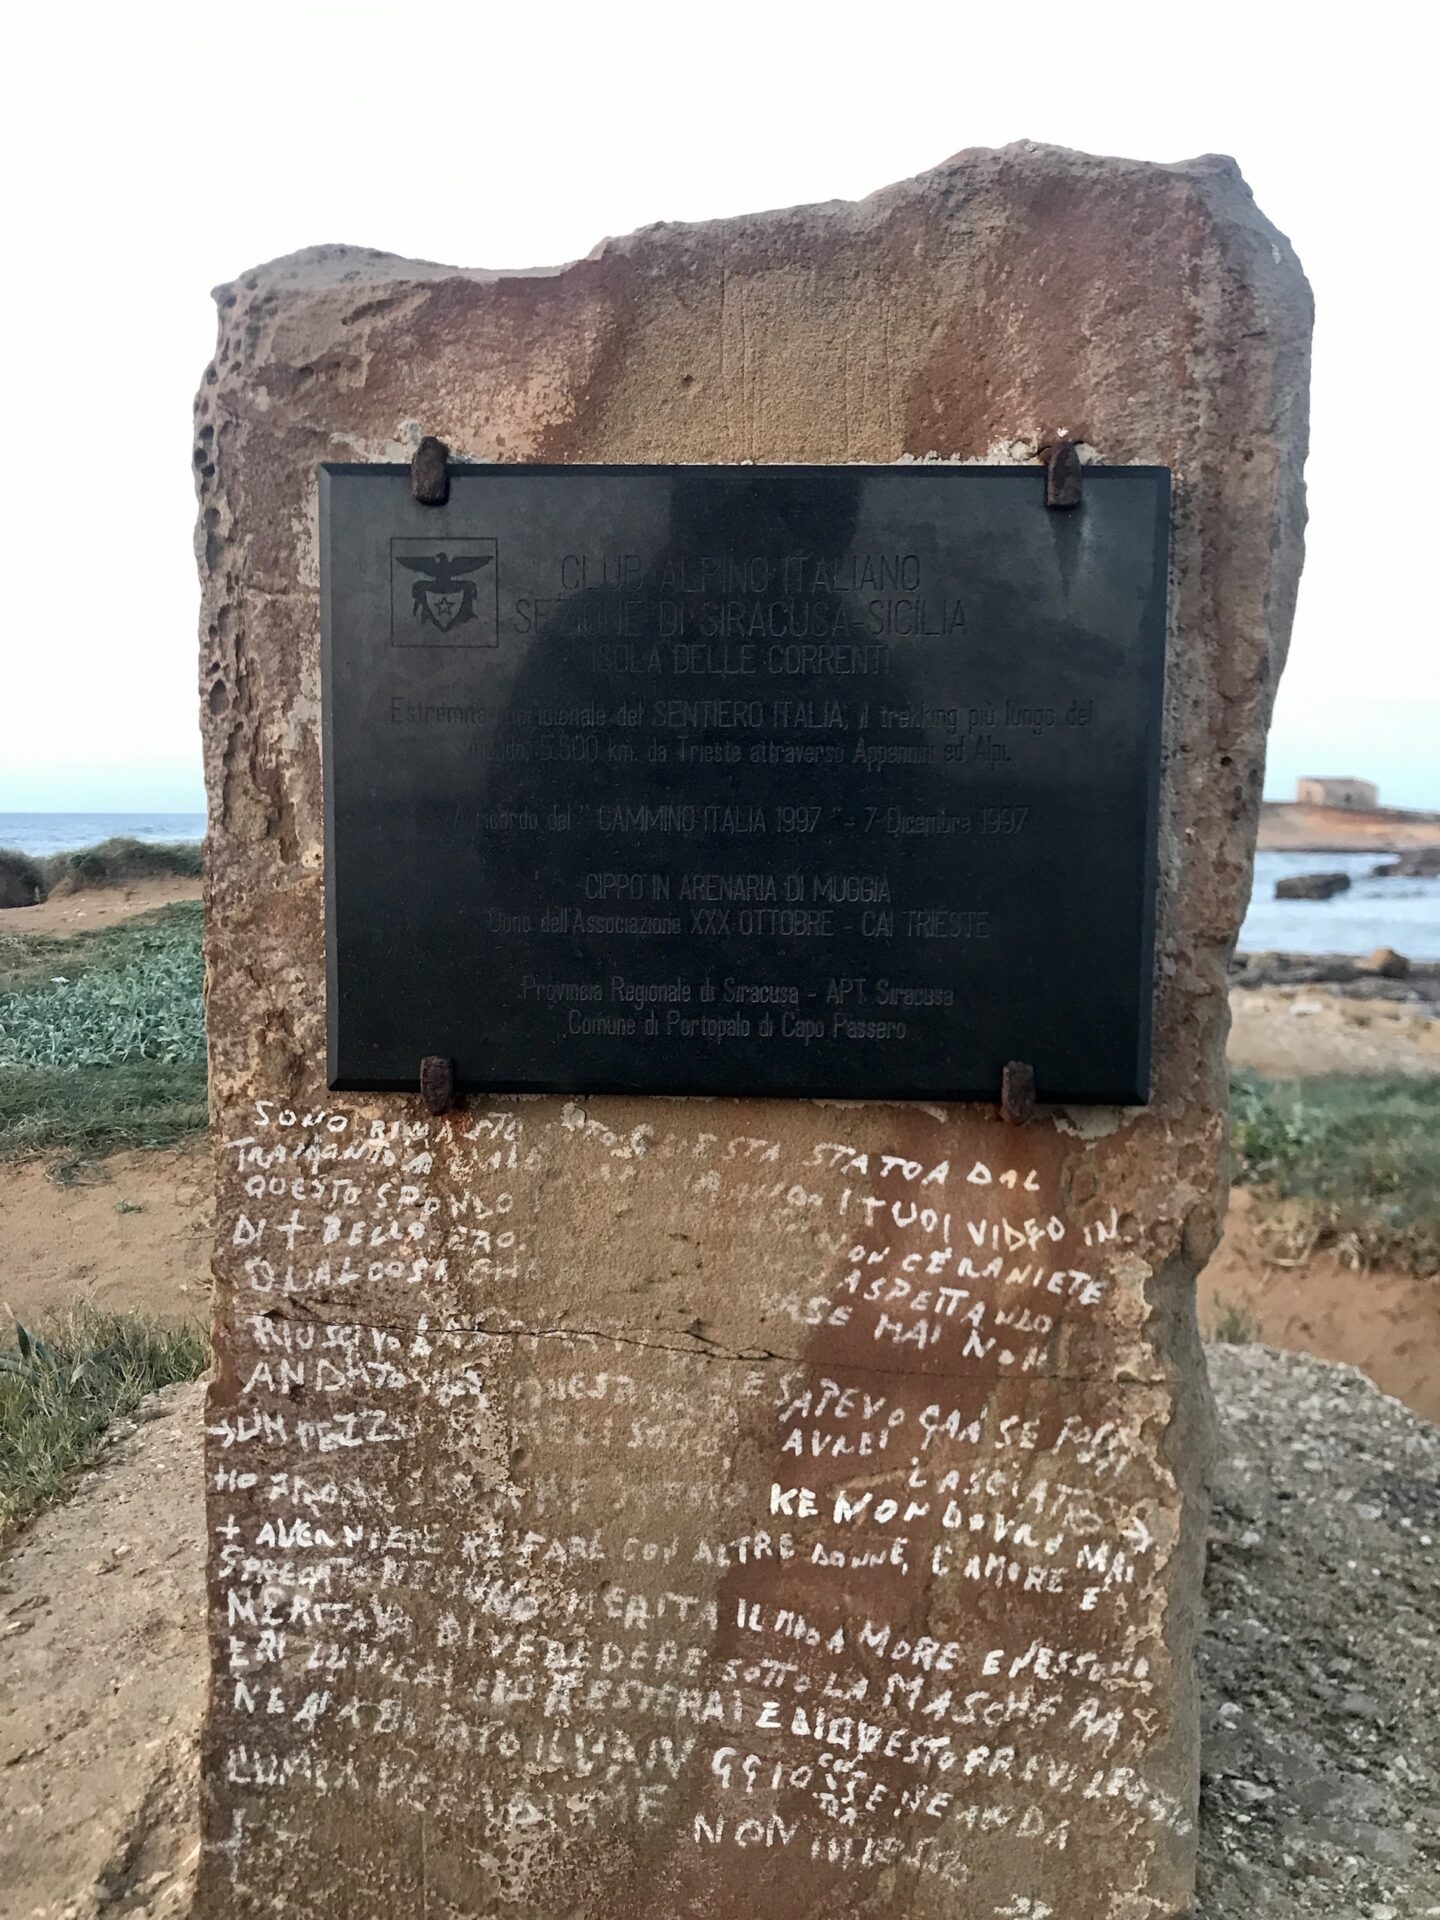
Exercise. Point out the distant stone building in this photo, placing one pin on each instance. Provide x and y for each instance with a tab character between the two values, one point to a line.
1359	795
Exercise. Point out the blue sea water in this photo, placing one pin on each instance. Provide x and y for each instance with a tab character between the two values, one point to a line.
38	833
1404	914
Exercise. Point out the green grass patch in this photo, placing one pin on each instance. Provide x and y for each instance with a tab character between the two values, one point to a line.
102	1038
1360	1157
85	1112
1234	1324
60	1393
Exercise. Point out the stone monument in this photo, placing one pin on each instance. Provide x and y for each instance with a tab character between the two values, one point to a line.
641	1506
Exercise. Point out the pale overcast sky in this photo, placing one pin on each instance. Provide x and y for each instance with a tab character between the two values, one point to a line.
151	152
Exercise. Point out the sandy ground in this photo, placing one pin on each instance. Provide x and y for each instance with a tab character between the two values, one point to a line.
1293	1032
132	1235
102	1652
61	1244
97	907
1385	1323
102	1672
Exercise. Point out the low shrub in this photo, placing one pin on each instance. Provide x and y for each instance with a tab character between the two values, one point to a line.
60	1394
117	862
1360	1157
1235	1325
22	884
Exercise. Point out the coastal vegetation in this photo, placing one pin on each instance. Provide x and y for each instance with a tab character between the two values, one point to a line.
22	884
102	1037
61	1394
1355	1160
1234	1324
25	880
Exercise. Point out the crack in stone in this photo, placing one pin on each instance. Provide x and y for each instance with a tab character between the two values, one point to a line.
743	1356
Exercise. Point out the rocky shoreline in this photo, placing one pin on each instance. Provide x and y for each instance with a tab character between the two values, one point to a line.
1319	1664
1385	975
1289	826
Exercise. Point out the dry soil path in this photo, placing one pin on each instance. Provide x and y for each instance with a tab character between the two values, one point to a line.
1292	1033
131	1235
97	906
1383	1321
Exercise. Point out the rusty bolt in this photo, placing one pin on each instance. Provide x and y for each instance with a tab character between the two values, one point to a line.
430	473
437	1083
1017	1093
1062	474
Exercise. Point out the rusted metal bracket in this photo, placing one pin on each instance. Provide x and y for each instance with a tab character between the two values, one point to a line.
437	1083
1017	1093
430	473
1062	474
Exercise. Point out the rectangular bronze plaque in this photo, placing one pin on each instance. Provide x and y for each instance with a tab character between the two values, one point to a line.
743	780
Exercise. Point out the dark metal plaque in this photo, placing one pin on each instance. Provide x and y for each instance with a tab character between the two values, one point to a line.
743	780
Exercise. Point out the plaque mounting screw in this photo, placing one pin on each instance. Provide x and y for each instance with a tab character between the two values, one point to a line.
1017	1093
437	1083
430	473
1062	474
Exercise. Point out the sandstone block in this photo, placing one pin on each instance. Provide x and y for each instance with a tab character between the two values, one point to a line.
659	1508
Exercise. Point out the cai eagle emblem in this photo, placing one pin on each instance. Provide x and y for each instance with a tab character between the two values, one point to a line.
443	598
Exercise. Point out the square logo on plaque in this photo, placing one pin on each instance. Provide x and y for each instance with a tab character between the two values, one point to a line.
444	593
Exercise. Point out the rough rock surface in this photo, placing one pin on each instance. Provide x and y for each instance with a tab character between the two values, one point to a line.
1320	1661
1321	1764
1388	964
557	1361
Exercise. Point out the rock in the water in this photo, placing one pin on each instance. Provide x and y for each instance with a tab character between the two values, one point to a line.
1421	863
1311	886
1319	1662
